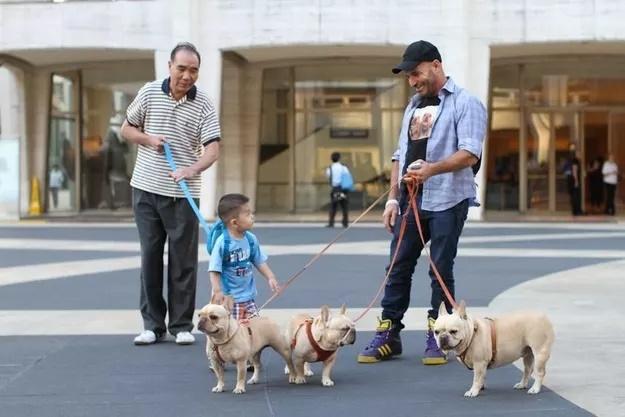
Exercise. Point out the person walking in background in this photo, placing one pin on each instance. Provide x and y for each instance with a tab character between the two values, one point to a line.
572	172
338	194
443	128
610	179
175	111
55	183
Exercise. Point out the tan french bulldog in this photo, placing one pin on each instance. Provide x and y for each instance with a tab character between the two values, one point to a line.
527	335
317	340
229	341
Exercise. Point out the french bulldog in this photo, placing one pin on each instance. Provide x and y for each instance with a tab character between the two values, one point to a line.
317	340
229	341
527	335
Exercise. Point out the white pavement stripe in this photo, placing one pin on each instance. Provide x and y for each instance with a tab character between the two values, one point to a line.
30	273
541	237
370	247
110	322
73	245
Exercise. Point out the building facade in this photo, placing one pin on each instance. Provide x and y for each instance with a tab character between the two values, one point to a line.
295	81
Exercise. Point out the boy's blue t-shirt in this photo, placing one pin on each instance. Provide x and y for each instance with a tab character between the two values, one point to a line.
237	282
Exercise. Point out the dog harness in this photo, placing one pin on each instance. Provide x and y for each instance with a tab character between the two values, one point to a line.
493	339
322	354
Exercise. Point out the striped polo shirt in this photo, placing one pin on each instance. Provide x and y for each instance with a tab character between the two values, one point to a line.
187	125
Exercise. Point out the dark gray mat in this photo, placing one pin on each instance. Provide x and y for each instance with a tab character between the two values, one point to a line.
107	376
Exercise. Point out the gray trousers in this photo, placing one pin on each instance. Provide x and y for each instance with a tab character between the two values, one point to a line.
157	218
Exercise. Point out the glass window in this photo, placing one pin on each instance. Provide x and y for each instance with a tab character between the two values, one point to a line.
62	145
505	86
274	158
334	110
575	81
502	189
107	159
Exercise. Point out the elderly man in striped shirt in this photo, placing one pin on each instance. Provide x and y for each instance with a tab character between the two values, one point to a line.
175	111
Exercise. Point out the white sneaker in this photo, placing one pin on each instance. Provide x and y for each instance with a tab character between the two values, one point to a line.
147	337
184	338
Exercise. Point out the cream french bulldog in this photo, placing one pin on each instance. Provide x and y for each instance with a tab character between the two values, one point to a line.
317	340
229	341
527	335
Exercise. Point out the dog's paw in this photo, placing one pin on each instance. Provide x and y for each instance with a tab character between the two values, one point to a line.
533	390
472	393
520	385
238	390
300	380
308	372
327	382
252	380
218	388
291	379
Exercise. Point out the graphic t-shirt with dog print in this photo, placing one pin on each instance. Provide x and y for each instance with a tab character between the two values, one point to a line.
237	278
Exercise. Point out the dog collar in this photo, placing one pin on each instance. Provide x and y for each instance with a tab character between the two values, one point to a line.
493	339
216	345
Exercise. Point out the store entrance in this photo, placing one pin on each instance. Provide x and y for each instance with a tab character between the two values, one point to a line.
311	111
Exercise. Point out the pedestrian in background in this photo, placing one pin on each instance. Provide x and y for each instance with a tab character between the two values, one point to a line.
572	172
610	179
55	183
175	111
339	192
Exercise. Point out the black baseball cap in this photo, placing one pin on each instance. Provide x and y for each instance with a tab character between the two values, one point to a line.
416	53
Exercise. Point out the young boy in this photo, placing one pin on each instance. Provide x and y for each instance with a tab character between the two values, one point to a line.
235	277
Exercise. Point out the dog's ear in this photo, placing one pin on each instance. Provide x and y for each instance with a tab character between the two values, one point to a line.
343	309
325	315
442	311
462	310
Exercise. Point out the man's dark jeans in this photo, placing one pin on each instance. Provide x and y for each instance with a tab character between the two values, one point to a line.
159	218
442	229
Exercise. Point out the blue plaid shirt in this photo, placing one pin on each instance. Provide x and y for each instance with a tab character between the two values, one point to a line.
460	124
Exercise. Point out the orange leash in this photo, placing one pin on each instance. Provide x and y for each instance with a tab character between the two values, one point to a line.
412	193
317	256
400	238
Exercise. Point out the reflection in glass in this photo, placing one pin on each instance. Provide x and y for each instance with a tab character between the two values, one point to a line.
538	133
62	165
502	189
335	110
107	159
61	181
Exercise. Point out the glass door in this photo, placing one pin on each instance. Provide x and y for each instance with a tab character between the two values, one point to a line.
551	133
63	165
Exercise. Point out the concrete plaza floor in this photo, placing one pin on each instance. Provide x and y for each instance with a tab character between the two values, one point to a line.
68	312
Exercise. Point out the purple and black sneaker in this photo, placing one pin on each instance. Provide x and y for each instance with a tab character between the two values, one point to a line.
432	355
385	344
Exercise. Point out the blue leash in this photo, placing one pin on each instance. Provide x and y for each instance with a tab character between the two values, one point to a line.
185	189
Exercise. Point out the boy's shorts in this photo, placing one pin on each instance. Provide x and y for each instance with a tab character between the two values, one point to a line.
244	310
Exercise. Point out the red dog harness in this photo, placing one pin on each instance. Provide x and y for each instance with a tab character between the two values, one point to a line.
322	354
